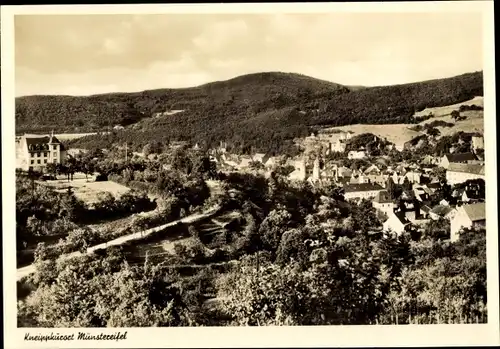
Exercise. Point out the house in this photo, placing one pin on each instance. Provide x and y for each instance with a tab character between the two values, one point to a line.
383	202
467	216
356	154
36	151
425	211
433	186
361	190
260	157
440	211
414	176
430	160
421	194
459	173
460	158
469	194
300	170
397	222
477	143
339	146
342	172
373	169
377	178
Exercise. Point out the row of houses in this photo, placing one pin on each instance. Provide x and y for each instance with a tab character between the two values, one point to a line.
471	216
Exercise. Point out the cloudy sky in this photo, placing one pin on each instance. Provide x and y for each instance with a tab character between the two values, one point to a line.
89	54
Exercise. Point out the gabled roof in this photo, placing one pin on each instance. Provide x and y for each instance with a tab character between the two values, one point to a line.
41	142
356	187
433	185
477	169
382	197
371	169
425	208
475	212
460	157
401	216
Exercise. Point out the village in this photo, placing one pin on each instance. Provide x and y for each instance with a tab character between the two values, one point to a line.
420	198
406	194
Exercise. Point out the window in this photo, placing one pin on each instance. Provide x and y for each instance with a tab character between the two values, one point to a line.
44	161
32	155
45	154
32	162
54	147
55	154
38	154
38	161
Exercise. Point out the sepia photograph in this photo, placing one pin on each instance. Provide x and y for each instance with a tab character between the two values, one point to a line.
249	169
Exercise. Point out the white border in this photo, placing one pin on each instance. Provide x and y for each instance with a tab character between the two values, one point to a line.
316	336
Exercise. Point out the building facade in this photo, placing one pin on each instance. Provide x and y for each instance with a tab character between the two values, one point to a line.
459	173
36	151
467	216
354	191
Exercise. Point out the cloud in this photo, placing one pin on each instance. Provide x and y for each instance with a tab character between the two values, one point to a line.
90	53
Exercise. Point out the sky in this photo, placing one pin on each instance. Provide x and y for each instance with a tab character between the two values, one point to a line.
91	54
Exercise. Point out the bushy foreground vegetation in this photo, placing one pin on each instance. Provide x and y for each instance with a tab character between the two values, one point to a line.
294	255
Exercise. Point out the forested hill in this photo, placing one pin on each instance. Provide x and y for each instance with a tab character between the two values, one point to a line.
263	111
255	92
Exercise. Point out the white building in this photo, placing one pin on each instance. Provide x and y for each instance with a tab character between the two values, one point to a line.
361	190
356	154
460	158
397	222
339	146
459	173
468	216
36	151
383	202
300	170
477	143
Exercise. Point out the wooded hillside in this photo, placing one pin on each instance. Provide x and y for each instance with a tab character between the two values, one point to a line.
262	111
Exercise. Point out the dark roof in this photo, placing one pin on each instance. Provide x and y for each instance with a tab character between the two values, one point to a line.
355	187
402	217
382	197
433	185
425	208
460	157
42	142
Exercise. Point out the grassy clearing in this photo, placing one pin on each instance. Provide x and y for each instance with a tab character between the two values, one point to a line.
400	133
394	133
87	191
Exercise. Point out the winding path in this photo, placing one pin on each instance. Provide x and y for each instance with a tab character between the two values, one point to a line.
29	269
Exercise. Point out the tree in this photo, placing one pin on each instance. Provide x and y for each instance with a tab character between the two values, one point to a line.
432	131
391	188
406	184
87	168
51	168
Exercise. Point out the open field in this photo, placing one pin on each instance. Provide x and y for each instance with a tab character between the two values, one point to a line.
473	123
400	133
446	110
395	133
87	191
